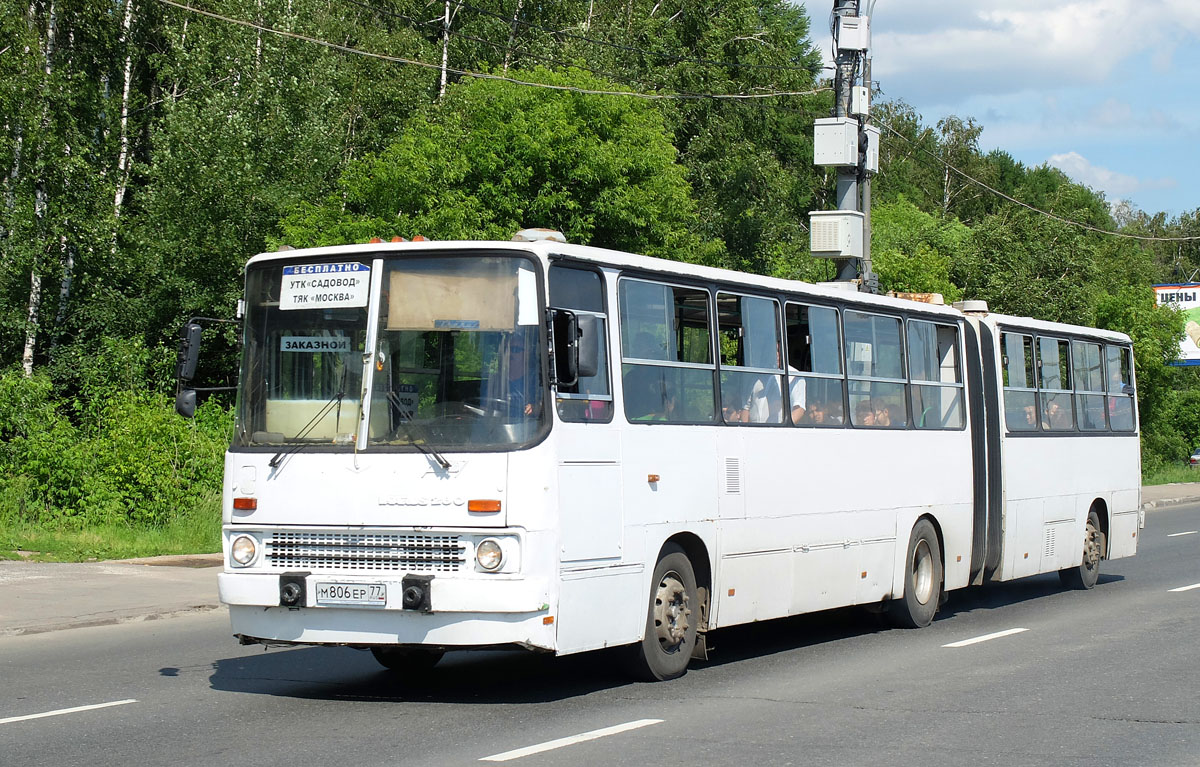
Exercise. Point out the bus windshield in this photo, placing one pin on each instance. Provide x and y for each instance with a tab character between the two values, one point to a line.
457	361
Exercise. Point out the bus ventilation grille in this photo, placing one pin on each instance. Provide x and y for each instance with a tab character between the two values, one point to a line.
365	552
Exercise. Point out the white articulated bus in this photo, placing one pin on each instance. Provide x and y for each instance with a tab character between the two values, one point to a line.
447	445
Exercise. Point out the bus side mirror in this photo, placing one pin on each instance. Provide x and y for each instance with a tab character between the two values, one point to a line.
185	403
566	347
588	344
189	353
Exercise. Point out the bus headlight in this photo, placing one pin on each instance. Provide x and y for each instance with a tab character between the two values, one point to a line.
243	549
489	554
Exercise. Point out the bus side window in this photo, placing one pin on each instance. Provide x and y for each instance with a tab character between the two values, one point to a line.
751	357
1089	386
666	352
937	394
1020	385
1054	384
582	291
1119	362
875	365
816	387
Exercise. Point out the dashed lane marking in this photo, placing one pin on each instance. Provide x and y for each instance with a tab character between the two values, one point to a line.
1187	588
985	638
62	711
1176	535
569	741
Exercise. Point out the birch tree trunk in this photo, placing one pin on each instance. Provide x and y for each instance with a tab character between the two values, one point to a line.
445	49
512	35
39	198
122	176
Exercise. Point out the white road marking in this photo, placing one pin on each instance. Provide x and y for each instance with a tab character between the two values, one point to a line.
570	741
61	711
1187	588
1176	535
985	637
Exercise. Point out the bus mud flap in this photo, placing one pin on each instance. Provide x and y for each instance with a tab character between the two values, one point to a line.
700	650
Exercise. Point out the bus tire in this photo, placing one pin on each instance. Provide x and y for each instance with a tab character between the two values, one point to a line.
922	579
1085	575
671	621
407	660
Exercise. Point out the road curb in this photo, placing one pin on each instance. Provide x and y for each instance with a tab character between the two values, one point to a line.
1163	503
106	620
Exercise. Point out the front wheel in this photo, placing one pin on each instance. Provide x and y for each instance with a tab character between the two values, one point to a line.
671	621
1087	573
922	579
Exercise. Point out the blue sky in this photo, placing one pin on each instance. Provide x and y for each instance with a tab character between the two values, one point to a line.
1108	91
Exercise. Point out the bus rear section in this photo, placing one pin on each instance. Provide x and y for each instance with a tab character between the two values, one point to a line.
1065	444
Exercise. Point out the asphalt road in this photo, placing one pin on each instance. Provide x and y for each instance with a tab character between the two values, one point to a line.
1106	677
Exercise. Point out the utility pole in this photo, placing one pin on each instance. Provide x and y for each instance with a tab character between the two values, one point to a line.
846	142
847	177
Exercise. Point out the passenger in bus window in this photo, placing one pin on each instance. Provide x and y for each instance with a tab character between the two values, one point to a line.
864	413
1030	413
664	401
883	415
797	392
815	414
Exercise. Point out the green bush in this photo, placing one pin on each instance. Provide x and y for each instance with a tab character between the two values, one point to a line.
117	457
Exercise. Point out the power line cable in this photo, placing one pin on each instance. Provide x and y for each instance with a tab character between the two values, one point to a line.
484	76
1014	200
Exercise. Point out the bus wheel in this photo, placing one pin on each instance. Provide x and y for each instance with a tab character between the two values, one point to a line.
671	621
1085	575
412	660
922	580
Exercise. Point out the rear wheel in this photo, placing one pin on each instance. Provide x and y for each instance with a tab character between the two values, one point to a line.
1085	575
671	621
411	660
922	579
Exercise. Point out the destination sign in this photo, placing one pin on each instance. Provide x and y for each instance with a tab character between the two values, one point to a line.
324	286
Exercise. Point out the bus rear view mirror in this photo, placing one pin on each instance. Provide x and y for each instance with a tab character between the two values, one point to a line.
588	345
185	403
566	347
189	352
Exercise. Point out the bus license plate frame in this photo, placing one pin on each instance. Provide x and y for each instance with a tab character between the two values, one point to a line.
350	594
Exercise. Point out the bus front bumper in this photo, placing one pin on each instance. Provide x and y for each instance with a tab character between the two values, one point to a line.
464	612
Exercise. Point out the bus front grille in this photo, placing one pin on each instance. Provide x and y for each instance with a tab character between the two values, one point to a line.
365	552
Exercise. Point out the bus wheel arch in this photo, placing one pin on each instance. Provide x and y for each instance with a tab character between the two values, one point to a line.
923	577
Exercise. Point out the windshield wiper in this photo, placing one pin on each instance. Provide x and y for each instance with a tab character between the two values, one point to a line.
296	442
402	425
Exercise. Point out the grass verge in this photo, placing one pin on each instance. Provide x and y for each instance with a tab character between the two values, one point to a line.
197	531
1169	474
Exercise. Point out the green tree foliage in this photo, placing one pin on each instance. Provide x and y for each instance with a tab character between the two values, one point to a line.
912	250
492	158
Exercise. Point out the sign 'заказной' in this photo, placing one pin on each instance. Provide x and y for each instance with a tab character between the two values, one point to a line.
324	286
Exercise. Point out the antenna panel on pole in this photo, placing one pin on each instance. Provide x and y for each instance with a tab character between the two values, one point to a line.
835	141
853	33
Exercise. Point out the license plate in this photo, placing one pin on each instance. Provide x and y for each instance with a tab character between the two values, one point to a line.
356	594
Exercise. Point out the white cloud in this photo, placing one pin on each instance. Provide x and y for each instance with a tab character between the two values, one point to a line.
1116	186
947	50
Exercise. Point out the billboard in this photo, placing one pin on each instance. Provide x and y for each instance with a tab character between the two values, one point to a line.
1186	298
